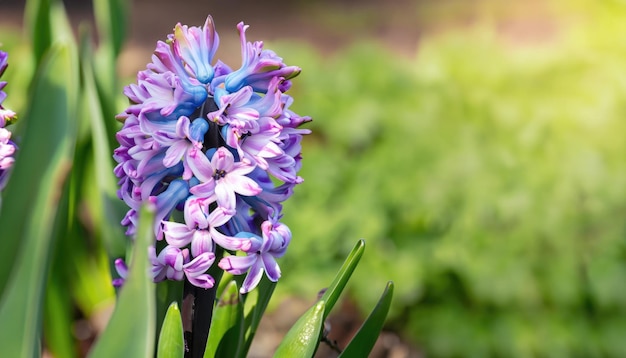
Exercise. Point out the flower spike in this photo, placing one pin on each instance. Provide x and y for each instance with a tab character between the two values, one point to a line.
216	151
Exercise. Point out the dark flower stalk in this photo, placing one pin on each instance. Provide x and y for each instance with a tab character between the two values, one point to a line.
218	146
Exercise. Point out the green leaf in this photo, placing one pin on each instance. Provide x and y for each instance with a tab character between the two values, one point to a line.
304	337
171	340
37	22
58	319
363	342
105	205
47	23
255	305
111	20
167	292
130	332
341	279
226	331
31	200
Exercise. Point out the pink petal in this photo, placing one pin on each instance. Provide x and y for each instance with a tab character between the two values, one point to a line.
204	190
202	169
222	160
243	185
225	195
176	234
253	278
201	243
272	270
237	265
174	153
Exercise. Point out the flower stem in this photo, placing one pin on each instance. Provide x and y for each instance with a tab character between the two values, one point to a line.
198	303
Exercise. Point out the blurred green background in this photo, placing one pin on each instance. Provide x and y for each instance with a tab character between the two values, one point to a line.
478	146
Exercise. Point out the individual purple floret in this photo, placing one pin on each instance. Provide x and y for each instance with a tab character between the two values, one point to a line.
216	151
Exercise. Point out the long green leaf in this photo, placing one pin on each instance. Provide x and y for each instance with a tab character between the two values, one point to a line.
58	302
341	279
130	332
255	305
363	342
37	22
32	197
226	332
171	341
303	338
104	204
111	20
58	319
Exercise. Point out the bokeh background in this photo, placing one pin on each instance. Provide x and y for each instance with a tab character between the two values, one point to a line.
479	147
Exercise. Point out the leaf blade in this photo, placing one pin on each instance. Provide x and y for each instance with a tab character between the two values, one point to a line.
226	331
304	337
33	194
362	343
130	332
343	276
255	308
171	341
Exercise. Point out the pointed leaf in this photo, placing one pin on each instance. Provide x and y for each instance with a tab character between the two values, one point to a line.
111	20
105	205
363	342
37	22
31	200
130	332
255	305
58	319
226	331
304	337
341	279
171	341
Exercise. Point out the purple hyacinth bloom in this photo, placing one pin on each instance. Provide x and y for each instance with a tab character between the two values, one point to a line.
259	66
262	258
196	47
215	151
201	229
185	144
174	264
222	177
7	116
122	271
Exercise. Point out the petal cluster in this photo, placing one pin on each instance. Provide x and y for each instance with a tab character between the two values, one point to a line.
7	116
217	151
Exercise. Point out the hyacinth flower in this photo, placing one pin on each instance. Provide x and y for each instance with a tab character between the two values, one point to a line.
216	151
7	116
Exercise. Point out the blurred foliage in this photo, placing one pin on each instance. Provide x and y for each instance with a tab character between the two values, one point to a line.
490	176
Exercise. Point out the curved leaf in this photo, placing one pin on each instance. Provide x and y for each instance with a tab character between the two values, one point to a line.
226	331
341	279
304	337
254	307
130	332
32	199
37	22
363	342
171	340
111	19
